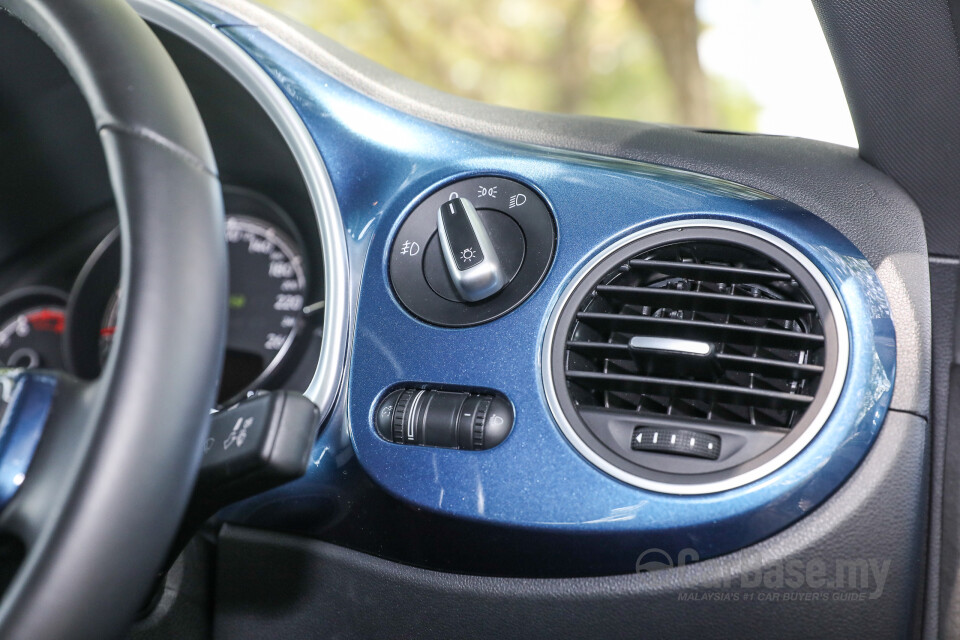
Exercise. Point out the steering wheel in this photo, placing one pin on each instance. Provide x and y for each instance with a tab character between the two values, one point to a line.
94	476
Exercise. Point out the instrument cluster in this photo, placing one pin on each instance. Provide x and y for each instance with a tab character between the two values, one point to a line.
270	305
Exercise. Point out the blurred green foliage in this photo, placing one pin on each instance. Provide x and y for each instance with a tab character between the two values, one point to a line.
597	57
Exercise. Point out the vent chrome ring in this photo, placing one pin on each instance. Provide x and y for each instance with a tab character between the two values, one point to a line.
827	395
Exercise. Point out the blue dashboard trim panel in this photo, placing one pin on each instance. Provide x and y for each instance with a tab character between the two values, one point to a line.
29	398
534	490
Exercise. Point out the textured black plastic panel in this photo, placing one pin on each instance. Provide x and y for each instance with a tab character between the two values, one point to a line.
273	585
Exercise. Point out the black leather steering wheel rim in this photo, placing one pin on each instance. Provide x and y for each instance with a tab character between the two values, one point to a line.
108	485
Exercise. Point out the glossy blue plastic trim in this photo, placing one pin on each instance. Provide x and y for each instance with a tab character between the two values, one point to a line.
382	162
24	417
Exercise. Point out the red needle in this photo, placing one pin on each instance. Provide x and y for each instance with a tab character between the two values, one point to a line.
47	320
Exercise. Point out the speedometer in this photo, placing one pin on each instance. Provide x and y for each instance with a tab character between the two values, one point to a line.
267	288
273	292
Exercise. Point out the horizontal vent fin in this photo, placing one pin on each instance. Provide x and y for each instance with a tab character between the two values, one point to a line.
710	272
702	330
691	389
747	364
707	302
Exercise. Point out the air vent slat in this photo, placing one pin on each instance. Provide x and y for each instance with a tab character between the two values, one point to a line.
691	389
709	302
710	272
765	366
768	367
702	330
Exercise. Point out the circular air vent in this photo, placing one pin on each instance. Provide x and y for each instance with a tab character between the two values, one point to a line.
695	358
